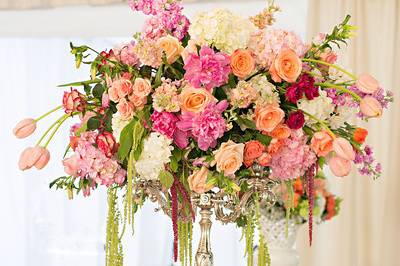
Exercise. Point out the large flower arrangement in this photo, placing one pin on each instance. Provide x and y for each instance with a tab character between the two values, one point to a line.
194	106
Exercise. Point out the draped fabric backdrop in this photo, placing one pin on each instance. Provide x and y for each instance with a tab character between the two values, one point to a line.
366	233
25	4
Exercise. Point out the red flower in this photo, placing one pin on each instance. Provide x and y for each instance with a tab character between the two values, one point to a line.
106	143
294	93
73	101
305	85
295	120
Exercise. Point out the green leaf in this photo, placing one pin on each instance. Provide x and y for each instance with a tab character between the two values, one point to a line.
80	83
98	90
54	182
93	123
321	162
126	140
166	179
265	140
245	123
174	164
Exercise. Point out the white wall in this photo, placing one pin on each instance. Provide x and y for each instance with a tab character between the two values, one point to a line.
41	227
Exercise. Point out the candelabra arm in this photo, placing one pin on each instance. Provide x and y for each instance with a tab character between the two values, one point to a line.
204	256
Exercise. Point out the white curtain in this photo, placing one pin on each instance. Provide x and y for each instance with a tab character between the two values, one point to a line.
30	4
366	233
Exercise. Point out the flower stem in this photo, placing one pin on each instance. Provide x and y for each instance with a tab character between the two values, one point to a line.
340	88
49	112
60	122
48	130
330	65
322	123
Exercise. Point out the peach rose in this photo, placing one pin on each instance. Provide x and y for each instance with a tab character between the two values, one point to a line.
328	56
360	134
125	108
195	100
229	157
281	131
343	148
197	180
191	47
141	87
268	117
122	86
322	143
339	167
242	63
367	83
287	66
113	94
138	102
370	107
264	159
171	46
252	150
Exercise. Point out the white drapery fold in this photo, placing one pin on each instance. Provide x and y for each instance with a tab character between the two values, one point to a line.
30	4
367	230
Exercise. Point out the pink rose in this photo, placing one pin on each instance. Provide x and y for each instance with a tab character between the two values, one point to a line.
141	87
367	84
122	87
107	144
125	108
343	149
73	101
71	165
339	167
328	56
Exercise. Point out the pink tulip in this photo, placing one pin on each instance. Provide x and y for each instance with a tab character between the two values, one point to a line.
24	128
43	159
24	159
343	149
71	165
339	167
370	107
367	84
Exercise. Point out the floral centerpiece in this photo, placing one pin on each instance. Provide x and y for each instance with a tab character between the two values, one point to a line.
193	106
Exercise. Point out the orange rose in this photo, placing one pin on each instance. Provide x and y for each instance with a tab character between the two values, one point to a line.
197	180
171	46
282	131
287	66
242	63
268	117
274	146
322	143
253	149
229	157
360	134
264	159
195	100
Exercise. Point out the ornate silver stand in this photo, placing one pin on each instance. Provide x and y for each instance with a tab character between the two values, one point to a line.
227	207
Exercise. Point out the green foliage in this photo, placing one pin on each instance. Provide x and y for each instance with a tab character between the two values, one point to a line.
245	123
93	123
98	90
166	179
126	140
114	255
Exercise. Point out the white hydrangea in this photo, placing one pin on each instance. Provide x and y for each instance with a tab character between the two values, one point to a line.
320	107
267	90
156	152
118	124
342	114
222	28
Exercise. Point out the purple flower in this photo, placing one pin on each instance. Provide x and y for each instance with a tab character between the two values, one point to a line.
208	69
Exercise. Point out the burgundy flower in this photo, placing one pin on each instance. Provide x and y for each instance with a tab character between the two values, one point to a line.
295	120
305	85
294	93
107	144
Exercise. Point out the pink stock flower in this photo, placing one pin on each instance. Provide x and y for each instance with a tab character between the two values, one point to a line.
208	69
293	158
126	55
164	123
207	126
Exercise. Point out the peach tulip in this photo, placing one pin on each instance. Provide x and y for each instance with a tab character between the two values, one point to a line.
339	167
370	107
343	149
24	128
367	84
36	156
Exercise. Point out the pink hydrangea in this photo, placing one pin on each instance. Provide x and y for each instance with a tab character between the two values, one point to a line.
207	126
267	44
208	69
164	123
125	54
149	53
93	164
293	158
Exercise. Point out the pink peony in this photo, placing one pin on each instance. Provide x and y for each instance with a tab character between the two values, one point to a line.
208	69
293	158
164	123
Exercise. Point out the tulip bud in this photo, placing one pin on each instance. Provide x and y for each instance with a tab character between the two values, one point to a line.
367	84
343	149
33	156
24	159
370	107
43	158
24	128
339	167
